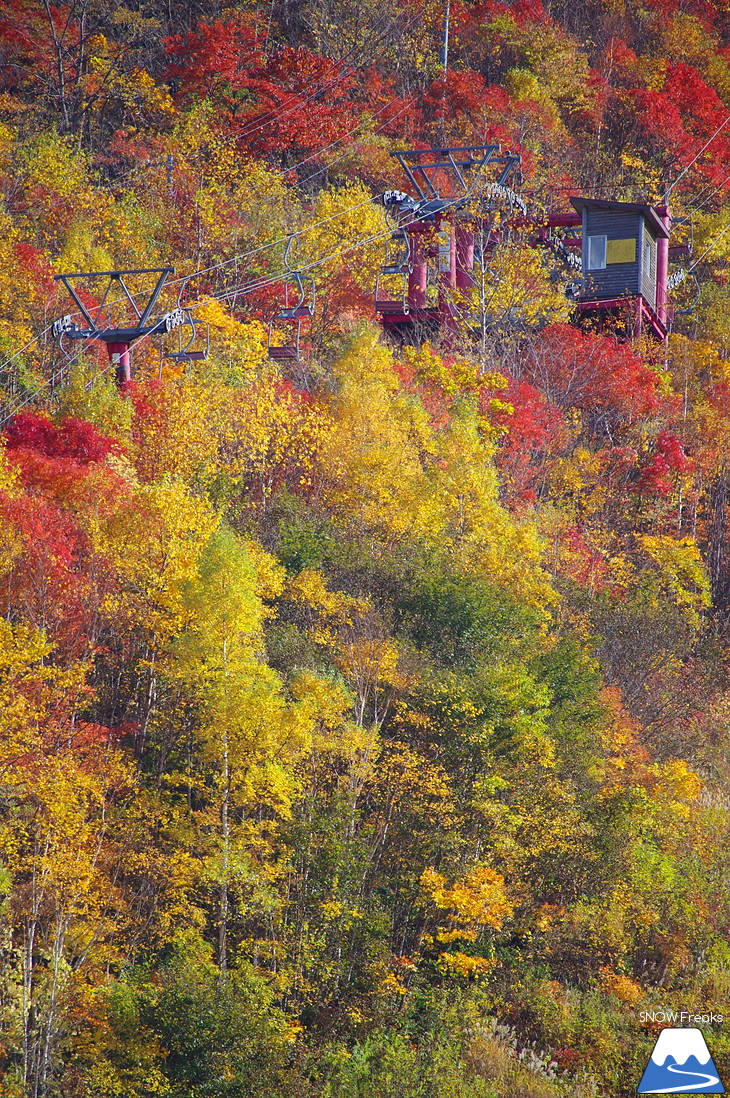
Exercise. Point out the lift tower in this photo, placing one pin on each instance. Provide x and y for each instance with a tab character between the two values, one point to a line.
119	322
431	252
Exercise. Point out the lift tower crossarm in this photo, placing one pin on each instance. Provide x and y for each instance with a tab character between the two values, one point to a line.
115	276
421	174
120	336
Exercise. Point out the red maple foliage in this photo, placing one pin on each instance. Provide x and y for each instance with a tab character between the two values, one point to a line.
55	460
523	11
72	438
534	431
593	373
682	117
666	463
468	106
211	61
294	100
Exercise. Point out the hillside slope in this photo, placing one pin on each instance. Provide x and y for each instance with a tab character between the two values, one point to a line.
363	715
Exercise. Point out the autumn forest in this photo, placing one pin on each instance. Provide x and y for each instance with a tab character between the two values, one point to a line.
364	690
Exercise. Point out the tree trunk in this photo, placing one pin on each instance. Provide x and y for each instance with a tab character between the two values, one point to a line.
225	829
716	553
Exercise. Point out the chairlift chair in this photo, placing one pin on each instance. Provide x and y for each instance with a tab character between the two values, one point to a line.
399	264
186	352
298	288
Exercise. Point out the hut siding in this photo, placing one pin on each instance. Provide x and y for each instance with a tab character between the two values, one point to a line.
617	279
648	274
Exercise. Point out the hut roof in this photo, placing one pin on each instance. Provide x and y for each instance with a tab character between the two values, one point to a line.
648	212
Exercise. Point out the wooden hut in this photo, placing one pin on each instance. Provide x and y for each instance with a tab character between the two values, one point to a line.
625	254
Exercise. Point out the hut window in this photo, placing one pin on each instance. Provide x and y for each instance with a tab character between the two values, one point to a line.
647	259
596	253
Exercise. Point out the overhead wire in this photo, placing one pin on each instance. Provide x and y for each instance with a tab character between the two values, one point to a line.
236	292
264	121
275	114
30	343
308	228
709	247
261	284
207	270
283	172
13	410
278	114
694	209
695	158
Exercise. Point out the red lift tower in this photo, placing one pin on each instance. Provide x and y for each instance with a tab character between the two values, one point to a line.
431	251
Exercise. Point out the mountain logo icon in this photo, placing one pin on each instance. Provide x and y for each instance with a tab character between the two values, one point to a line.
681	1064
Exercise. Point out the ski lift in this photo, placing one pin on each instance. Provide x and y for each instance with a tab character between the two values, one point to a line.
398	263
299	297
187	352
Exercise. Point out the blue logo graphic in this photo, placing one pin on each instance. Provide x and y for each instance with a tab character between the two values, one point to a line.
681	1064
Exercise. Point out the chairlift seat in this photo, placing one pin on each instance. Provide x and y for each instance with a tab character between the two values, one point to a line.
188	356
303	309
287	353
398	265
386	305
299	312
185	353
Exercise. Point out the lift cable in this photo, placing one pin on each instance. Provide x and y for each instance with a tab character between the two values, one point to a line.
289	106
307	228
69	361
704	190
273	243
36	339
695	158
208	270
235	292
294	167
350	133
263	247
263	122
693	209
315	224
8	413
262	283
709	247
274	277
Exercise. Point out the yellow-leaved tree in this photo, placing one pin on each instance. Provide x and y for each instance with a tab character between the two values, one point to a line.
249	739
391	472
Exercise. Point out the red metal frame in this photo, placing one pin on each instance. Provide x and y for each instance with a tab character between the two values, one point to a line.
643	314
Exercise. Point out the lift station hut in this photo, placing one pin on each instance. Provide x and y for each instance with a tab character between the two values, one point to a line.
625	256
